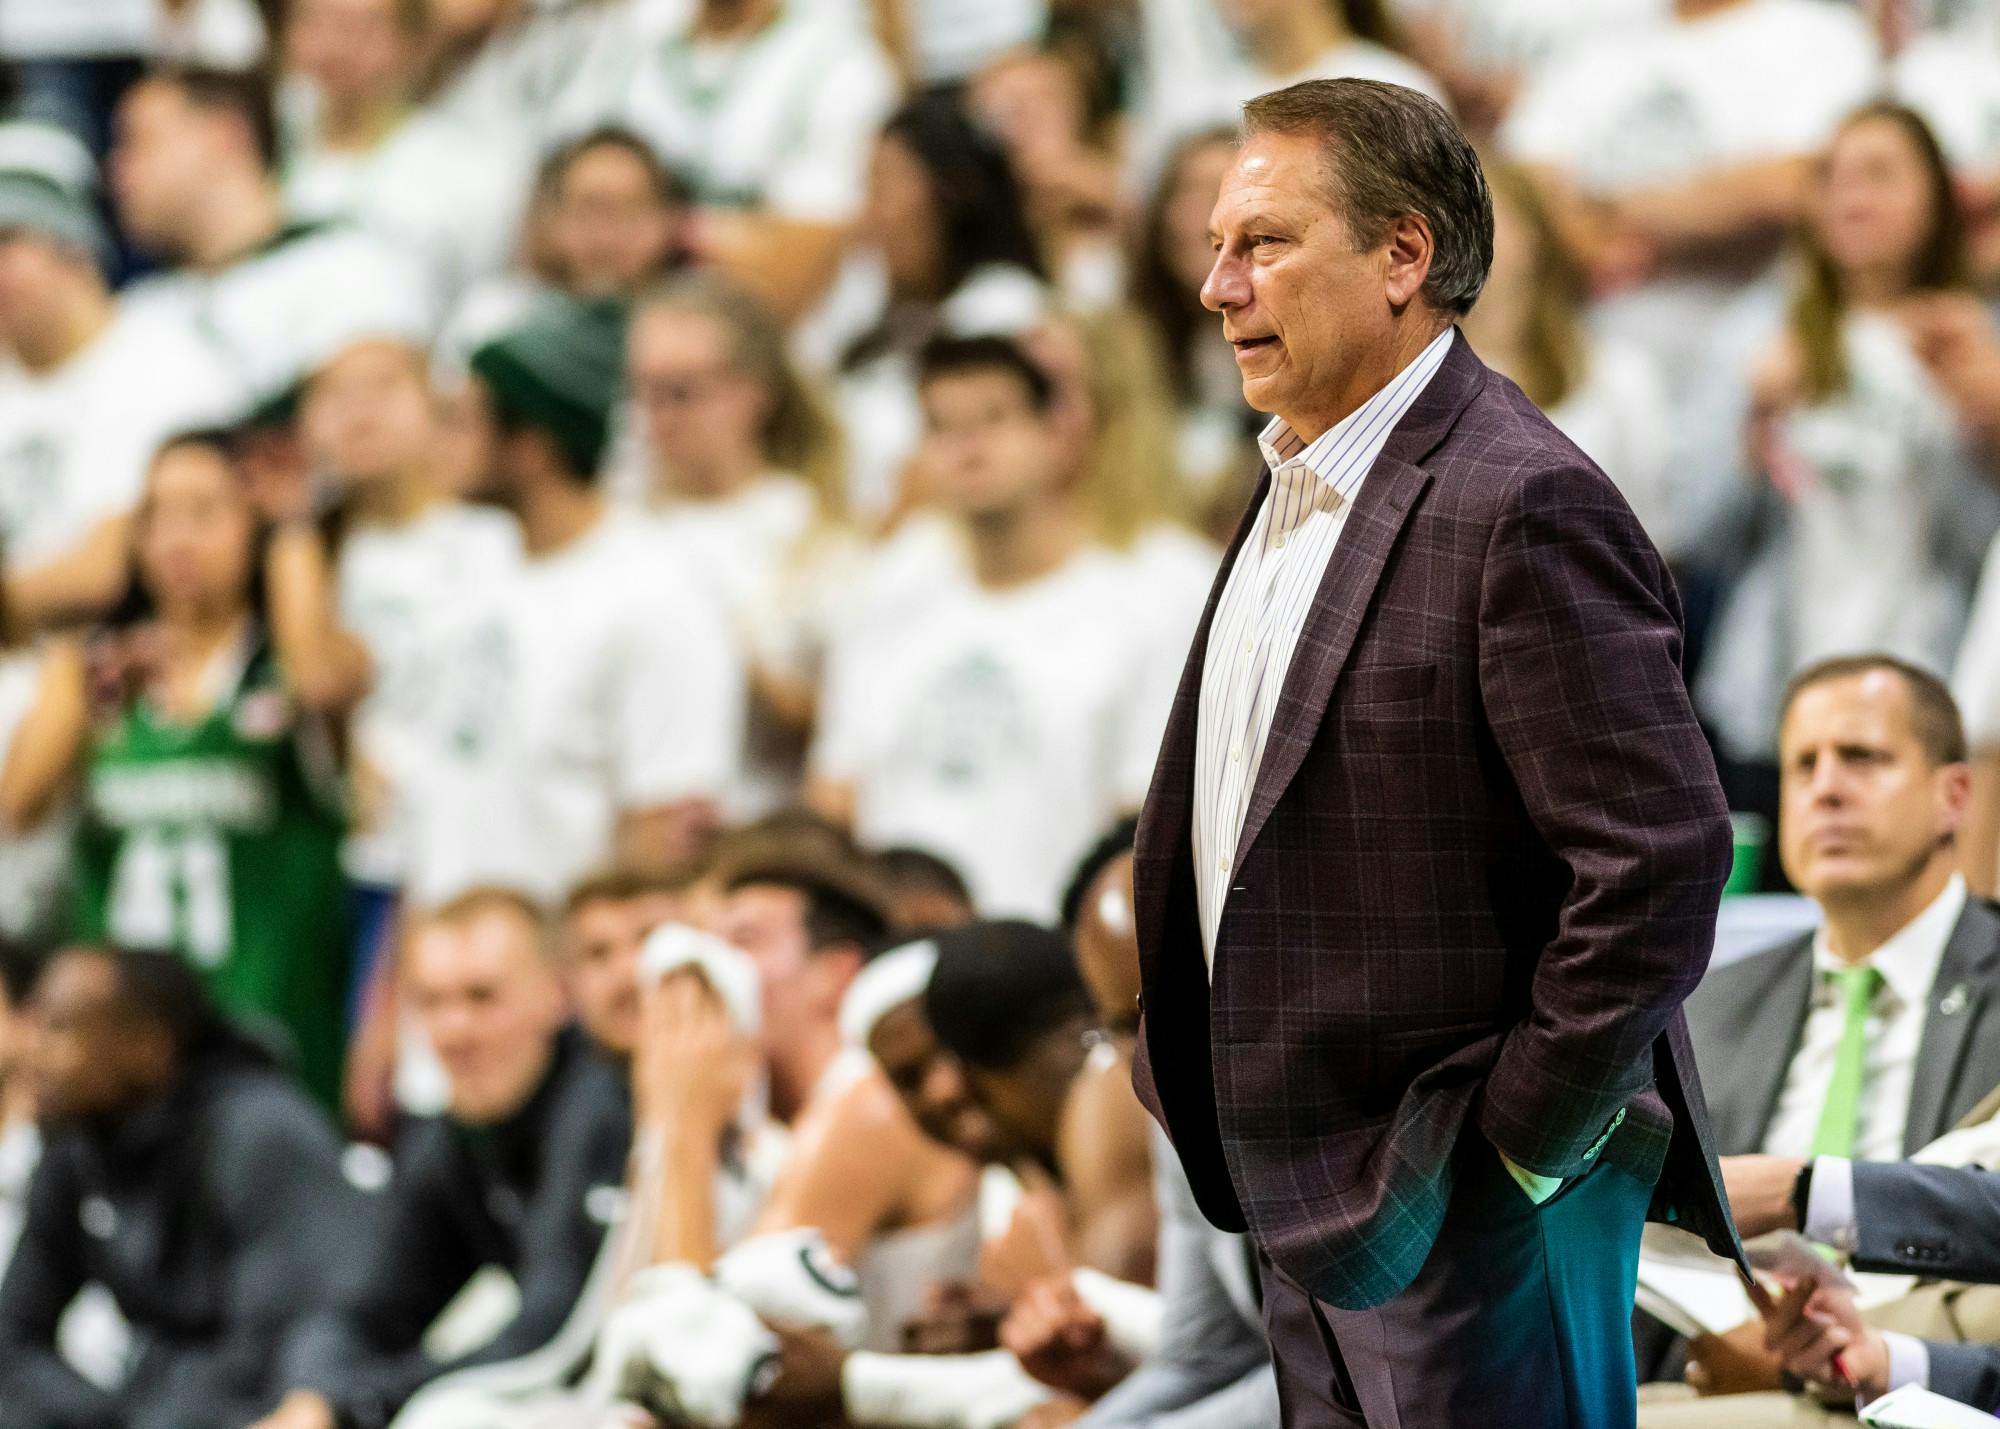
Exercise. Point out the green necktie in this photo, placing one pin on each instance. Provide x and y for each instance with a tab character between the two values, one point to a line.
1839	1119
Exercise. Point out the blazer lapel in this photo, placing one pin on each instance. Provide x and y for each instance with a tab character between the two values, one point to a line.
1345	591
1965	978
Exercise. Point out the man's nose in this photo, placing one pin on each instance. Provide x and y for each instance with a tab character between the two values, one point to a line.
1227	285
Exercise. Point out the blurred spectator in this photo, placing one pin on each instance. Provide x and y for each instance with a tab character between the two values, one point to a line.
1675	155
1957	338
1871	513
355	149
768	107
605	219
1212	1366
510	1176
1952	77
198	724
924	891
20	1144
999	715
1834	1044
88	391
193	173
940	42
1215	445
890	1202
76	58
1607	396
747	473
605	923
1485	50
984	1061
1203	58
184	1173
93	387
528	71
808	924
950	251
1116	418
590	708
411	562
1037	102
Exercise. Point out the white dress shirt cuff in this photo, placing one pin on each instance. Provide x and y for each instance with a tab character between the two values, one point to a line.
1830	1204
1909	1359
1538	1187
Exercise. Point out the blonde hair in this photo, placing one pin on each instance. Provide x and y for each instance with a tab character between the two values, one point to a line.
1130	480
1819	305
1553	356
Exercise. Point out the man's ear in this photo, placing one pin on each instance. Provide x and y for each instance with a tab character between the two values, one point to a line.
1954	785
1410	251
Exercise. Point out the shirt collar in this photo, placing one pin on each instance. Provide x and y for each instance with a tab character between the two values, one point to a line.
1909	960
1335	456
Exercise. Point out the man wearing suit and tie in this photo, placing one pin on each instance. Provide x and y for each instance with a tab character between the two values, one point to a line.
1874	1035
1832	1057
1434	846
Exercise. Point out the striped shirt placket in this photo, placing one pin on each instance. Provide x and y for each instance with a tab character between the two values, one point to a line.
1263	612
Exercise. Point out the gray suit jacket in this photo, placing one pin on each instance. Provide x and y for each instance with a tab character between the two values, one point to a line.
1940	1222
1212	1368
1746	1021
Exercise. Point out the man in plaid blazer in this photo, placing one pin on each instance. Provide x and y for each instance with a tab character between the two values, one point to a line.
1434	846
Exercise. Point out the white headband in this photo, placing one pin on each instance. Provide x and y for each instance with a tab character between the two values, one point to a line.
726	969
888	981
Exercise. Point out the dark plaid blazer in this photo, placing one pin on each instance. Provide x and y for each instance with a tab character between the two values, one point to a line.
1478	876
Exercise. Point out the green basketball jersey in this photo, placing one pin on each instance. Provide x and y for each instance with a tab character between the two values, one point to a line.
221	838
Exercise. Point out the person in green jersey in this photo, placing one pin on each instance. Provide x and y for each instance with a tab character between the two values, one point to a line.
198	725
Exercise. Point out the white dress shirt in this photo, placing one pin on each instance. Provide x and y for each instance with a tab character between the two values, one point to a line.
1908	962
1264	605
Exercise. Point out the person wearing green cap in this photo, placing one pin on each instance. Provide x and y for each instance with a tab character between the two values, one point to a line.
88	389
592	706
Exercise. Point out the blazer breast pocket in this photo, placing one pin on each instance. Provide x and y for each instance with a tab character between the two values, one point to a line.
1384	684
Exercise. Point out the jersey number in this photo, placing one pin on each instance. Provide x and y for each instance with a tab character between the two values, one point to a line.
171	890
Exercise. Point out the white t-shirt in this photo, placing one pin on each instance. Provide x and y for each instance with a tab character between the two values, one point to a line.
1666	103
1885	461
435	186
278	313
1522	34
1003	730
783	121
1619	415
541	73
75	443
877	400
404	592
226	33
780	573
592	681
1955	84
1194	75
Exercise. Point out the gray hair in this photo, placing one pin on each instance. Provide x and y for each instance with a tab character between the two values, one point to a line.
1391	153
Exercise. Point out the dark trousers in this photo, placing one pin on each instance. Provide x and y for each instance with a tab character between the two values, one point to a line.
1520	1318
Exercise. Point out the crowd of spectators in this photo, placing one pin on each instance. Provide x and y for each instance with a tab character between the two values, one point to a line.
585	586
